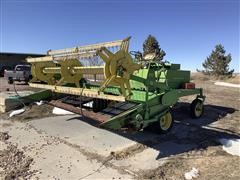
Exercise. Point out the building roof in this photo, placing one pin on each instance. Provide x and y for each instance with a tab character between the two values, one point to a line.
20	54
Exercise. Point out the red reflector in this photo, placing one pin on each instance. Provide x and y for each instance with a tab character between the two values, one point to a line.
189	86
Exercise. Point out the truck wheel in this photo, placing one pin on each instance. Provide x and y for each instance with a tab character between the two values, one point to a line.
28	79
10	80
164	124
197	108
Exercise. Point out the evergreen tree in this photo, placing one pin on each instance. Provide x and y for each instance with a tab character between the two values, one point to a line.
151	45
217	63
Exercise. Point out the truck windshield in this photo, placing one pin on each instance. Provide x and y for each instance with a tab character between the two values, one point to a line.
22	68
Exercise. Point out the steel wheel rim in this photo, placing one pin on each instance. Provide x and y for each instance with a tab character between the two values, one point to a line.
166	121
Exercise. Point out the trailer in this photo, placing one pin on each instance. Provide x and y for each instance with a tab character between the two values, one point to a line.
127	90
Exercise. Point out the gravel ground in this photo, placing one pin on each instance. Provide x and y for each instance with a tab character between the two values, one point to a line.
20	86
14	163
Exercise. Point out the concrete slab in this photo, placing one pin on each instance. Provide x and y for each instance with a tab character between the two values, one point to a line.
3	146
61	161
61	134
26	138
103	142
77	132
54	159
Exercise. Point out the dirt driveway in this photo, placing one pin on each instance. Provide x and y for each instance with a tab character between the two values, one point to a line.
66	147
19	85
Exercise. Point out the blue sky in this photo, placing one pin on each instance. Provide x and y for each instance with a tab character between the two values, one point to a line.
186	30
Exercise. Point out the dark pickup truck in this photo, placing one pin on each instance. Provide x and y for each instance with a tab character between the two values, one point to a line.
20	73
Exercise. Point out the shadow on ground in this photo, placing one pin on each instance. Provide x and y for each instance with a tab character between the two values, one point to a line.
186	135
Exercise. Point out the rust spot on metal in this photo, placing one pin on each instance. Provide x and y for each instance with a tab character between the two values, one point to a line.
99	117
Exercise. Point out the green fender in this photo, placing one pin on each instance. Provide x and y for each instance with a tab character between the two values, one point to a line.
170	98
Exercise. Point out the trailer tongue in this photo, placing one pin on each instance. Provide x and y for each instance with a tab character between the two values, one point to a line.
134	92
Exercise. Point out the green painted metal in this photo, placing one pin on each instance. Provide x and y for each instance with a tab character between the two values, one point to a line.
121	120
32	96
39	95
156	87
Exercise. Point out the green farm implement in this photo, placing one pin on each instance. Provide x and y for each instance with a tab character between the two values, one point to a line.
116	88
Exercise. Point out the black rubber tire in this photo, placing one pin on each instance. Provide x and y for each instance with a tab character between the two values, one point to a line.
193	107
29	78
156	128
10	80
